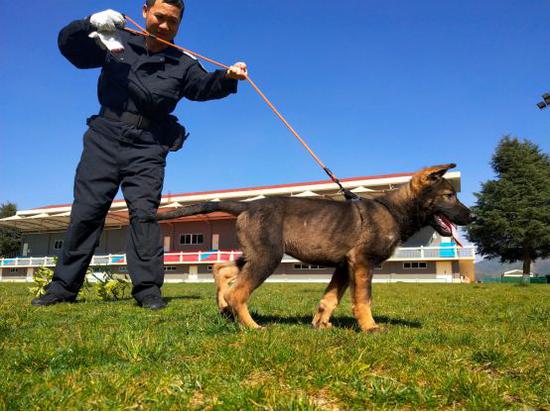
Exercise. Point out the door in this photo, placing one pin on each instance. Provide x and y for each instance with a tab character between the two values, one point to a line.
167	243
193	272
216	241
444	268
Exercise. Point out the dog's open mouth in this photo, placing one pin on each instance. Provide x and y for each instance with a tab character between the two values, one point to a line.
446	227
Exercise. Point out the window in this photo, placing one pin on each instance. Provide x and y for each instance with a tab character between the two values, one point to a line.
415	265
122	269
302	266
13	270
170	268
191	239
58	244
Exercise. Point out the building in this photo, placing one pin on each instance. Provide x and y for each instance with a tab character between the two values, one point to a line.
515	273
193	244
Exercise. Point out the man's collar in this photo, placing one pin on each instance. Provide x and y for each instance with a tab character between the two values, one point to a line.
138	41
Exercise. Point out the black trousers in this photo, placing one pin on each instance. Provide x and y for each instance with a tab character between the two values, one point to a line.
137	166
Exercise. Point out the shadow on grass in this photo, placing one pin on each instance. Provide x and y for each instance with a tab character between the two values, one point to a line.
184	297
399	322
130	299
338	321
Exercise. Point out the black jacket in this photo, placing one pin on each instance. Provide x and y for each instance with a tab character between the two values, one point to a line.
136	82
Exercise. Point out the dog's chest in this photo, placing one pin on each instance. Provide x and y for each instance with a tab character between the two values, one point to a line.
379	244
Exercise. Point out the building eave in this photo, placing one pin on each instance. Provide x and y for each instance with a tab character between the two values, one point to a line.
56	217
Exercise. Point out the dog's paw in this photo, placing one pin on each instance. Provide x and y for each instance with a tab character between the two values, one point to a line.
319	323
376	329
252	327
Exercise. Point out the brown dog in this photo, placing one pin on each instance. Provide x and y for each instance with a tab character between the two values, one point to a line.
353	237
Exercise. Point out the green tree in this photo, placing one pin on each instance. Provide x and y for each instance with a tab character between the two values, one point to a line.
10	240
513	211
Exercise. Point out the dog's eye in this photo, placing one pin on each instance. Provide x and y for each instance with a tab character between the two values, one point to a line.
449	196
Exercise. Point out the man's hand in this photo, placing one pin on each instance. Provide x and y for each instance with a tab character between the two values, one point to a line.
107	21
109	39
238	71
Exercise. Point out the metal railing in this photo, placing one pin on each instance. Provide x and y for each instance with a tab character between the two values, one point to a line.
434	253
210	257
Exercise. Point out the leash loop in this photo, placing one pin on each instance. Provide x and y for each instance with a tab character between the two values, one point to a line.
350	196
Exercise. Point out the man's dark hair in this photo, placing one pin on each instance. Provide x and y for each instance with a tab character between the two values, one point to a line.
178	3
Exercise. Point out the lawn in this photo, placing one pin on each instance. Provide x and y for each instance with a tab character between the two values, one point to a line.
446	347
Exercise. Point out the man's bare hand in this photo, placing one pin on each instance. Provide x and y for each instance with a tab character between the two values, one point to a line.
238	71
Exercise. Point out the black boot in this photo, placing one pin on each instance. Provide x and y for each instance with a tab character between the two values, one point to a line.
152	302
49	299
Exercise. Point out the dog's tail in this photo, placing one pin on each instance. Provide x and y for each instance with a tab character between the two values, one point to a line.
228	206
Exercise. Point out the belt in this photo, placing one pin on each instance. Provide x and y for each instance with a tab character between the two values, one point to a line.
141	122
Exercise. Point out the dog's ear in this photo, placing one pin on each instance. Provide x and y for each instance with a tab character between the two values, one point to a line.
429	175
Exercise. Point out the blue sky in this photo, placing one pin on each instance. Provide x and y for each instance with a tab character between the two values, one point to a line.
375	87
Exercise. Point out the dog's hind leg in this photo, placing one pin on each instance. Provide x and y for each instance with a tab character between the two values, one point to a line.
333	294
361	272
224	274
260	237
252	275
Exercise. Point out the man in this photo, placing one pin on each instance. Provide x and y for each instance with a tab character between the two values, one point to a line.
126	145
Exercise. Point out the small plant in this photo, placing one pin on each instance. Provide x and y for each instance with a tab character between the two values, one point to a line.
111	286
41	277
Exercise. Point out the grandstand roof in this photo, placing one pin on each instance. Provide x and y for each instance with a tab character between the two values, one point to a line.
56	217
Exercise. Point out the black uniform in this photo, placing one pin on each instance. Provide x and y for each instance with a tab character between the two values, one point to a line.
126	145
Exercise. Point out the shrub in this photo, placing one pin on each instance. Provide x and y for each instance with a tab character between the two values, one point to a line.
41	277
111	286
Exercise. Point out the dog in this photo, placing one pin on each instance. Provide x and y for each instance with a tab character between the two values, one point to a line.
352	236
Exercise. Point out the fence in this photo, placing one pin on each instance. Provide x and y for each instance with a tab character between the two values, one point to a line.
209	257
516	280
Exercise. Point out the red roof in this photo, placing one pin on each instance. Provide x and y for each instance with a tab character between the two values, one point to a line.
349	179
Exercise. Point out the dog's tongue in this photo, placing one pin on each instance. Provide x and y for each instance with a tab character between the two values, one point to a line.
452	228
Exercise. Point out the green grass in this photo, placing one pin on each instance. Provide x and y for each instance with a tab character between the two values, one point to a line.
446	347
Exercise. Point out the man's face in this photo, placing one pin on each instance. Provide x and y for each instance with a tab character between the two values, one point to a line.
162	19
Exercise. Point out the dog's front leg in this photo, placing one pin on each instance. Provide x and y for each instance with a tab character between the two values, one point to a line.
361	272
333	294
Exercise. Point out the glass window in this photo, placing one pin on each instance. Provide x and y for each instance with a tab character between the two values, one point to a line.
191	239
415	265
302	266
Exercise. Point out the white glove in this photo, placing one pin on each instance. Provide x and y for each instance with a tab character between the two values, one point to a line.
110	40
107	20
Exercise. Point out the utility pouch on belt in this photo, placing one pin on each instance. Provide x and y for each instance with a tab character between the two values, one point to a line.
174	133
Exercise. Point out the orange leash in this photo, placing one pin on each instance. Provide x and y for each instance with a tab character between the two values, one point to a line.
348	194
